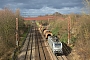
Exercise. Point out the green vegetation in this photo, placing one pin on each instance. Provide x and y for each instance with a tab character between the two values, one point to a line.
55	31
64	38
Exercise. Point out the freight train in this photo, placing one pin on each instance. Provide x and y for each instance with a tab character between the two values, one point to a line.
47	33
53	41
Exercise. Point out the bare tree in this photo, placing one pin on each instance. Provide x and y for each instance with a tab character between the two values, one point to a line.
87	6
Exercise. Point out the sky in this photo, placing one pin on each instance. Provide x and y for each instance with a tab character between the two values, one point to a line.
43	7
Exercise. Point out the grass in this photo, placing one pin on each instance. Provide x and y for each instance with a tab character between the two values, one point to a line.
22	38
55	31
64	37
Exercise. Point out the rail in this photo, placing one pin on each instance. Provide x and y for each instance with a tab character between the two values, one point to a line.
14	56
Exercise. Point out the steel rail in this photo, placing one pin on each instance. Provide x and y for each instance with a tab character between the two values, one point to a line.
27	46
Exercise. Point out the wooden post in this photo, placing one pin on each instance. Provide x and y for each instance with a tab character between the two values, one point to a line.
17	31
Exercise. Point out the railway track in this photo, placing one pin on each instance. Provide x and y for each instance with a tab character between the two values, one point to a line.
36	48
30	45
61	57
41	51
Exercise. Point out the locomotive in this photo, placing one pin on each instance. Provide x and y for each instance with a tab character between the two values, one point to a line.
55	44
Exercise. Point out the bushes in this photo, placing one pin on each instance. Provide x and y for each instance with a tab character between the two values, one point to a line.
64	38
55	31
7	26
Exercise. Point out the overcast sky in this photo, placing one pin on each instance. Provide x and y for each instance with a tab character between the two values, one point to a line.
42	7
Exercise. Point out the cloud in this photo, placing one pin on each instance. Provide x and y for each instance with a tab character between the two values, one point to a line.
0	9
47	10
37	7
37	4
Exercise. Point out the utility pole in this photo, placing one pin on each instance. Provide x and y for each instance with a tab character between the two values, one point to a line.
17	40
69	28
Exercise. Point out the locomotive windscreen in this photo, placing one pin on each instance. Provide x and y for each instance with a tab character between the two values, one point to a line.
57	45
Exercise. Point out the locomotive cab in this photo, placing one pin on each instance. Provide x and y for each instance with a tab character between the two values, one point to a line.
57	48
